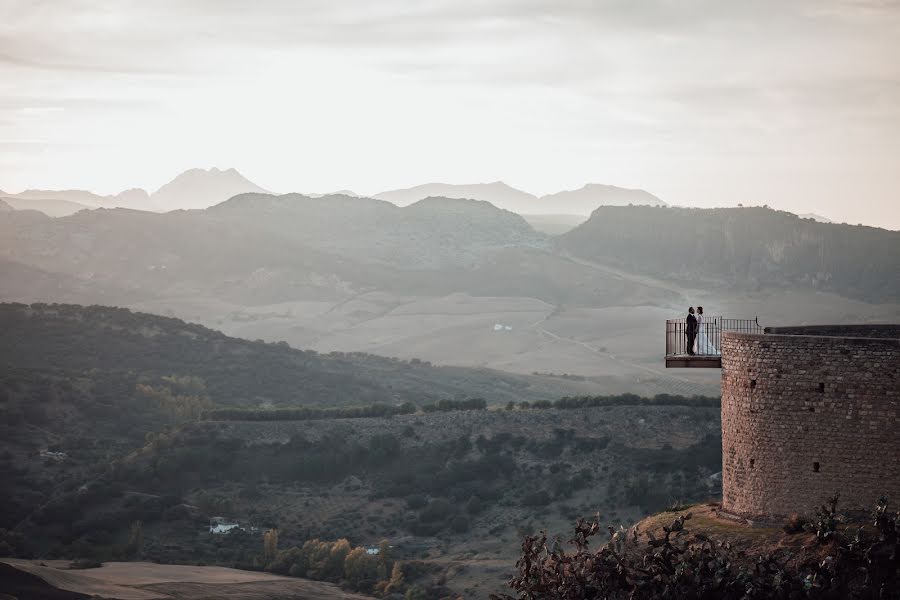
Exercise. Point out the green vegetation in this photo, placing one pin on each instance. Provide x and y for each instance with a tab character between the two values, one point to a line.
307	414
859	562
113	343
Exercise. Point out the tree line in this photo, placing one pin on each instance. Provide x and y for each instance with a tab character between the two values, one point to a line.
447	405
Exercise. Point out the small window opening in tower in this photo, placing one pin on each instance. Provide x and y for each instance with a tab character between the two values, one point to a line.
821	388
815	467
752	462
752	383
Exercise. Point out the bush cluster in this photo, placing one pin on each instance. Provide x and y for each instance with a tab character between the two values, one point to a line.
854	563
306	413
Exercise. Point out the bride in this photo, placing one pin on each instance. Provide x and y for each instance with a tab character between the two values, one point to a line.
704	344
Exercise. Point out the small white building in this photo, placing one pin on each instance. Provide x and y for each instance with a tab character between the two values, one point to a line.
219	525
58	456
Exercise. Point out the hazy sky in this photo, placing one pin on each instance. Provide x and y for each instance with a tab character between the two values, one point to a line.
791	103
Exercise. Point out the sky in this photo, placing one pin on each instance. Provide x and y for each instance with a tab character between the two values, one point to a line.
702	102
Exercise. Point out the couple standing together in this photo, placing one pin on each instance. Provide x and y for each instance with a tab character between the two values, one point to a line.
698	341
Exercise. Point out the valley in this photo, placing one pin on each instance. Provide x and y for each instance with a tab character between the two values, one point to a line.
436	380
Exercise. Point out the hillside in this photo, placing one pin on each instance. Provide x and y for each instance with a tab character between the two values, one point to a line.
429	234
136	198
433	280
588	198
498	193
453	492
697	552
554	224
582	201
262	249
745	248
50	207
99	342
111	416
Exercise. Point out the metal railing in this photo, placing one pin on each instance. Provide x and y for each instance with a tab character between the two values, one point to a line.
707	339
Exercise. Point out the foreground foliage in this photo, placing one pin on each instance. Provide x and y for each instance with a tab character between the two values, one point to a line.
860	562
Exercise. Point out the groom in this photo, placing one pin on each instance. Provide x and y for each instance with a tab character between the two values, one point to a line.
691	331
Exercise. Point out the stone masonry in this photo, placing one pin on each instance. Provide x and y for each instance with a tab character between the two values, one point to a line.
807	412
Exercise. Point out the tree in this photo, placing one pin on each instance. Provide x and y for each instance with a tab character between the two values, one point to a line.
270	543
361	569
395	584
136	540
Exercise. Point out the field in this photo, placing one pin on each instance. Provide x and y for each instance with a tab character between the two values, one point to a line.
149	581
615	349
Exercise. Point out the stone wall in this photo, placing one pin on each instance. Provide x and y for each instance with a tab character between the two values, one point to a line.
804	416
886	330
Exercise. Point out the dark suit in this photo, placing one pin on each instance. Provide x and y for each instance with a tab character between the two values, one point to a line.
691	332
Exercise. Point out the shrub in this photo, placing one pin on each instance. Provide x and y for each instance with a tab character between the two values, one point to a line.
795	524
680	566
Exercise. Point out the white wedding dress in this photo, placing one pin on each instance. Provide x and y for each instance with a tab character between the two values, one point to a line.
704	345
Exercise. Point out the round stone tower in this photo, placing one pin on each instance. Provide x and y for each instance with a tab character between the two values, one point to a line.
807	412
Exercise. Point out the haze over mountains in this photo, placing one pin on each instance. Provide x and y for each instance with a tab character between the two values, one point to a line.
433	279
552	214
582	201
200	188
195	188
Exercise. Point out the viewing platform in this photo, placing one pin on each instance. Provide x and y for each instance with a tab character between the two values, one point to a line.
706	350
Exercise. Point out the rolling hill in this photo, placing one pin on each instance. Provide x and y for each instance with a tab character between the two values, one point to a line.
432	280
99	340
573	202
588	198
50	207
498	193
742	248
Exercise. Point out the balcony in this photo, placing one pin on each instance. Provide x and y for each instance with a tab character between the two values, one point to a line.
707	343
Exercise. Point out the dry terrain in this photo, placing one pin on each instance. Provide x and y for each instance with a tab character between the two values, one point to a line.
615	348
150	581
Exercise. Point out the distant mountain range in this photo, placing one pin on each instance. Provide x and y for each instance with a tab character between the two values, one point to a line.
195	188
201	188
198	188
573	202
262	248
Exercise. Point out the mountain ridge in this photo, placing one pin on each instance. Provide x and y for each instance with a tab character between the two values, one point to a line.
193	188
581	201
743	247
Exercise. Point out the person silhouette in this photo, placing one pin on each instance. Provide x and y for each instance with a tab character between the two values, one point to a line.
690	330
704	333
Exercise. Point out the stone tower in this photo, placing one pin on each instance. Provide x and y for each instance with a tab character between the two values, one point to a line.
807	412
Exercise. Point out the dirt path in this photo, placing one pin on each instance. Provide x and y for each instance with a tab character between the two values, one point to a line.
151	581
